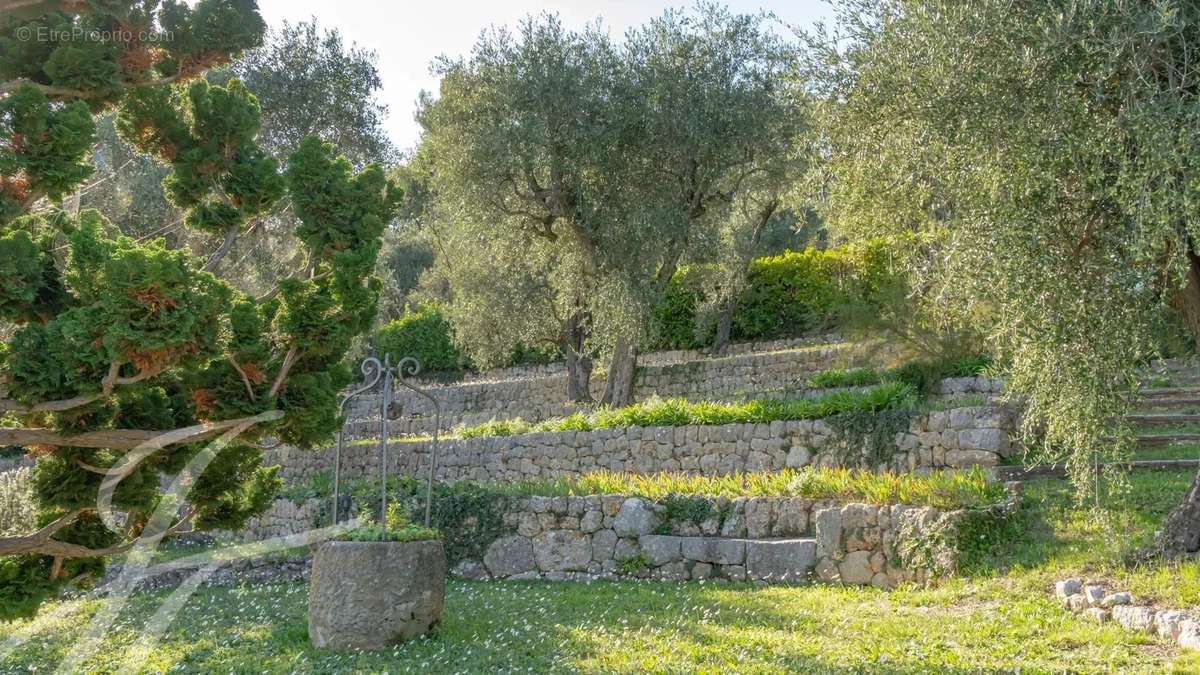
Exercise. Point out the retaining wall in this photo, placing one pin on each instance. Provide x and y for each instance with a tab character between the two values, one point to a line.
956	438
543	396
762	539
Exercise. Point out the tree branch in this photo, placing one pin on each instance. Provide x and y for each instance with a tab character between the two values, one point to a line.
231	233
117	439
245	380
288	361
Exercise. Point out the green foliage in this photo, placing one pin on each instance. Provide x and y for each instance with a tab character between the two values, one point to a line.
684	509
46	151
680	412
399	529
1016	241
634	564
423	333
869	437
838	377
784	295
131	336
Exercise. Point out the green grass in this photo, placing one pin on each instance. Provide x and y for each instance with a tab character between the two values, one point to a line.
680	412
945	490
941	489
1000	618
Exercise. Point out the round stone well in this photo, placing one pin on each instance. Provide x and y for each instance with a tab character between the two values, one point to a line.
373	595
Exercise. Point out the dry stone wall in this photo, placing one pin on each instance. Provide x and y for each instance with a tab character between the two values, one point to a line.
542	396
955	438
761	539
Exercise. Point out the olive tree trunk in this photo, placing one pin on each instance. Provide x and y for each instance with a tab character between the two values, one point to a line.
579	362
1181	529
618	389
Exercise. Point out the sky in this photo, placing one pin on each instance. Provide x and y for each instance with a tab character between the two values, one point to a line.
407	36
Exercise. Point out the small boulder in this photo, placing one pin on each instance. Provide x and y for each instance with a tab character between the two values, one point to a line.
1094	595
1097	614
1113	599
1068	587
635	518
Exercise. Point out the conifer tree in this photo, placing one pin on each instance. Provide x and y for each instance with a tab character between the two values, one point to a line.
123	345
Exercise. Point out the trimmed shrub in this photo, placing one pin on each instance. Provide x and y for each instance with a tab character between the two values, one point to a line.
423	333
786	295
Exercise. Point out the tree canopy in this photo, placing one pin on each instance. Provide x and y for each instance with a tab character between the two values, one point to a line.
1037	163
588	170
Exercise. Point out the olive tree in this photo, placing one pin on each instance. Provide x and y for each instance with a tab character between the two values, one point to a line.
623	157
1038	162
128	356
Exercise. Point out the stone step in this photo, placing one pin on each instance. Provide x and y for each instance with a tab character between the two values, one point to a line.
1159	420
1168	403
1158	441
1169	392
1056	470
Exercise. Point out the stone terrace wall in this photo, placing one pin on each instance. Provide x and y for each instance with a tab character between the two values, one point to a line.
542	397
762	539
956	438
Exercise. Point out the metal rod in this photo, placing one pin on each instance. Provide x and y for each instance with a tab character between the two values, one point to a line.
410	366
337	469
384	405
371	371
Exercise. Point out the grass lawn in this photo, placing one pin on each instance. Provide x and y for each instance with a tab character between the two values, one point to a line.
998	619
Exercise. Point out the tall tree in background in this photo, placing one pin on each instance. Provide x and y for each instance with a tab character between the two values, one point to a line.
620	159
308	82
130	356
1039	163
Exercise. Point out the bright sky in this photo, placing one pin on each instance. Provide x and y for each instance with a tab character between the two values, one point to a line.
409	35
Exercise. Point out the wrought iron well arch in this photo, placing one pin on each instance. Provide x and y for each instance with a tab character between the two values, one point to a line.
373	371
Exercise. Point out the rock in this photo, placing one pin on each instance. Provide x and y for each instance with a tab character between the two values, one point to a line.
1189	634
798	456
1097	614
828	526
1094	595
781	561
990	440
1134	618
635	519
965	459
718	551
472	570
591	521
758	517
734	572
1077	602
1113	599
1068	587
562	551
626	549
702	570
660	549
373	595
510	555
672	571
1169	622
603	543
826	570
855	568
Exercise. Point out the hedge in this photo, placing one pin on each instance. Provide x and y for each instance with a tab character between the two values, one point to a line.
786	294
423	333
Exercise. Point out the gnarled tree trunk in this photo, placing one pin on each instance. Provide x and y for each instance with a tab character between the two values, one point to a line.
579	363
618	389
